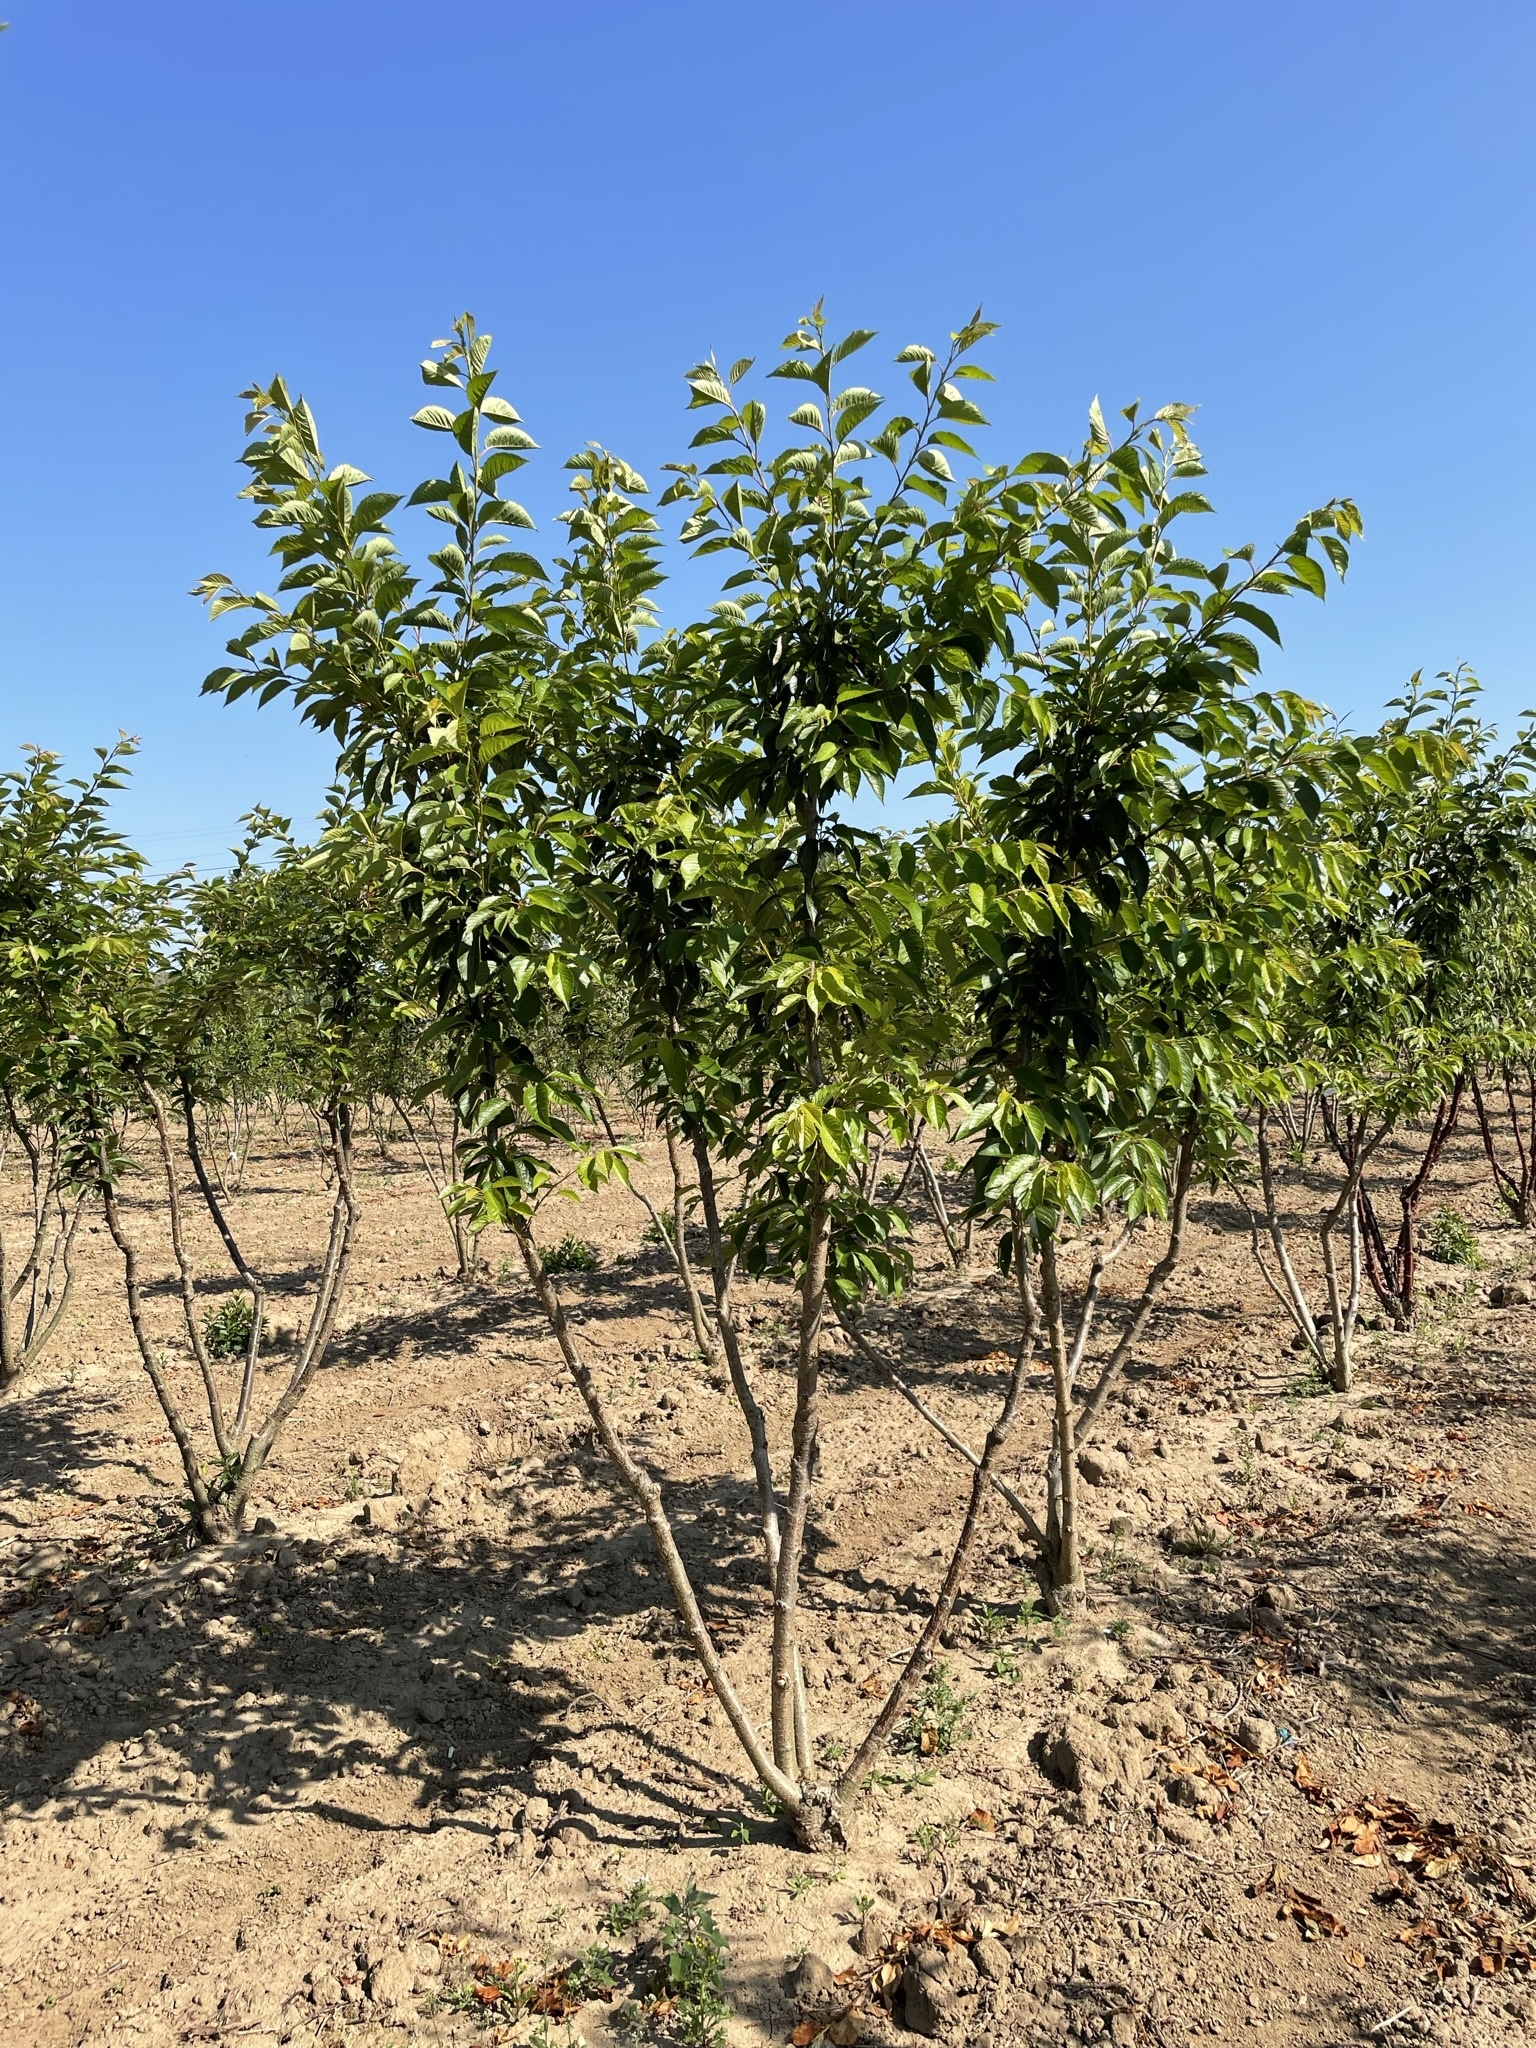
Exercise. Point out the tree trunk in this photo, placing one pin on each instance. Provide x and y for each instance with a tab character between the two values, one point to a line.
1516	1191
1157	1279
205	1515
322	1320
1065	1589
647	1496
789	1736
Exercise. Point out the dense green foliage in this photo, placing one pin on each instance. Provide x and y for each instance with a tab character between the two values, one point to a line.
583	865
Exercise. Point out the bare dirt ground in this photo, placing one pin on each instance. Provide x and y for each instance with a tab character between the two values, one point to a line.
1277	1787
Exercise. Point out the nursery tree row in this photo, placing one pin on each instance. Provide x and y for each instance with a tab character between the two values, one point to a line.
592	866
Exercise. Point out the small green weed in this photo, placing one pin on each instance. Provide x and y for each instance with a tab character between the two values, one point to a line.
694	1956
929	1836
1005	1667
1033	1618
936	1719
915	1778
994	1624
1310	1384
628	1915
1451	1239
541	2037
589	1974
499	1992
1202	1539
572	1255
227	1328
495	1991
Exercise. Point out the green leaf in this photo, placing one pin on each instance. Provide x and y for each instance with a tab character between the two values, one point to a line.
1309	574
851	342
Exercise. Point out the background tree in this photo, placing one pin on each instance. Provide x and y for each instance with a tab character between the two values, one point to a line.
1497	1014
1426	825
1130	884
75	914
300	936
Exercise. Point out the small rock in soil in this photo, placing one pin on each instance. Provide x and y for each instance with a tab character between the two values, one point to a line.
925	2001
992	1960
1198	1794
1159	1720
1278	1602
1086	1756
324	1990
1256	1735
424	1958
387	1511
812	1981
961	1969
875	1932
391	1982
1104	1467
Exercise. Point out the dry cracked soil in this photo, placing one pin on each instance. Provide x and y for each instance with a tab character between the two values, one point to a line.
388	1768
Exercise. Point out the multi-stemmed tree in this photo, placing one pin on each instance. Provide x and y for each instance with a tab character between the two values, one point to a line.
133	1004
1497	1019
1430	821
1086	969
1133	884
77	919
506	737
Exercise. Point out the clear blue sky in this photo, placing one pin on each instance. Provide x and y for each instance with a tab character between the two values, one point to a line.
1314	222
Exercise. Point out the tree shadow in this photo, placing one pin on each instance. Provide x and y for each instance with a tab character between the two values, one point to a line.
206	1695
1414	1593
53	1436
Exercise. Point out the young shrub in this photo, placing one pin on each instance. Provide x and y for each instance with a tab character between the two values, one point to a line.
572	1255
1451	1239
